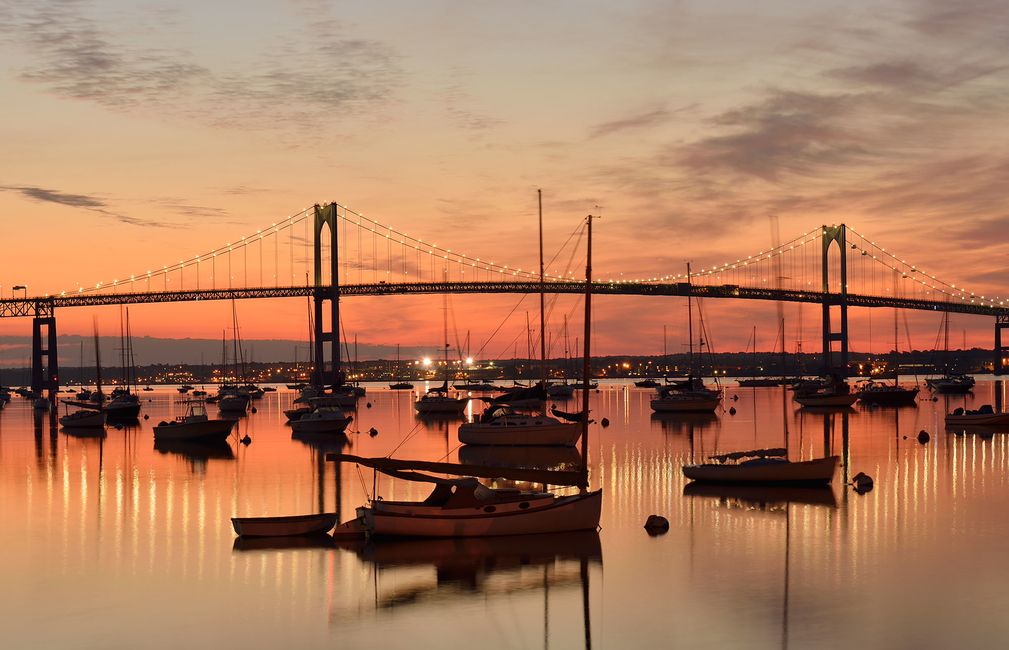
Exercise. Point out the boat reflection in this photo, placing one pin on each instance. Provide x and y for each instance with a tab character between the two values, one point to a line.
322	441
519	456
196	452
980	430
684	423
759	497
244	544
469	564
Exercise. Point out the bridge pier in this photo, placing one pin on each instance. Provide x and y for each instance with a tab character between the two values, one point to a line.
45	358
833	234
999	364
323	294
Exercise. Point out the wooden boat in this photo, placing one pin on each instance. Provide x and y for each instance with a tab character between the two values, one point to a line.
886	394
499	425
647	383
985	416
767	466
952	384
83	419
194	425
401	385
439	401
284	526
322	420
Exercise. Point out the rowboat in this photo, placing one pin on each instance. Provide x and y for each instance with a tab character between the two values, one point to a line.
768	466
985	416
284	526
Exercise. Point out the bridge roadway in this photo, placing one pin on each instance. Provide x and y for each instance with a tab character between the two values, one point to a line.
44	306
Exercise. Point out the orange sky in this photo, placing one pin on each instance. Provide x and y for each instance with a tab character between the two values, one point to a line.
136	136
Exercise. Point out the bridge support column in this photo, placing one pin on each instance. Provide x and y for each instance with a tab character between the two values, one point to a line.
45	358
999	364
831	234
323	294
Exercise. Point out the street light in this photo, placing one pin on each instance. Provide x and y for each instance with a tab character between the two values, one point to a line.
20	287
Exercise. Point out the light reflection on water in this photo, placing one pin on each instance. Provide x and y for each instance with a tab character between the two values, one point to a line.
109	541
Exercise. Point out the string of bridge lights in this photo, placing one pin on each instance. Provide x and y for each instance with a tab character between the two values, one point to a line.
446	253
811	236
342	212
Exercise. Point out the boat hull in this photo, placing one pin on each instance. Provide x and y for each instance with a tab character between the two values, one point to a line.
556	434
207	430
329	425
447	405
283	526
83	419
578	512
987	419
808	472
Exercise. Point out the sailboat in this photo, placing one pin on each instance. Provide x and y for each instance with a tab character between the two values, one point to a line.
760	382
230	399
894	394
689	396
438	400
89	416
463	507
950	383
399	385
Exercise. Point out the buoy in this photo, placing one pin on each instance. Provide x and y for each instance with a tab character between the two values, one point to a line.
732	410
119	427
605	422
862	482
923	436
246	440
656	525
254	409
935	399
368	404
373	432
735	398
147	417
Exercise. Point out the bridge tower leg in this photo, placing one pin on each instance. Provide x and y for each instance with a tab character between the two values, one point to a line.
831	234
45	358
998	366
323	294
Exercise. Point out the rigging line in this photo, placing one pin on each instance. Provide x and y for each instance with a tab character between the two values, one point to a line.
511	344
501	324
411	433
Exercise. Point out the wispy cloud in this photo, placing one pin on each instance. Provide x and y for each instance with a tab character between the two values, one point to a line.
305	79
650	118
81	201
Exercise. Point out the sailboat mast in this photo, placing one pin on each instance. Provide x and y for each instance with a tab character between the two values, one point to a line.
586	354
444	321
98	366
543	317
690	324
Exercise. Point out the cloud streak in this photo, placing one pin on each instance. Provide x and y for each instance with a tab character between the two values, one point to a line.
80	201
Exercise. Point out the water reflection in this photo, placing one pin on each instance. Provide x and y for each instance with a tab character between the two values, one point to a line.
762	498
121	517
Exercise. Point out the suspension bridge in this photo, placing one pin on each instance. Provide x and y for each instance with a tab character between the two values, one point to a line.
348	254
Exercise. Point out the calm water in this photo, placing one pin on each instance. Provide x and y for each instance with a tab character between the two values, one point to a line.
110	543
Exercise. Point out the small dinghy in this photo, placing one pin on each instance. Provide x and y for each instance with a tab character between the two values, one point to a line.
284	526
763	466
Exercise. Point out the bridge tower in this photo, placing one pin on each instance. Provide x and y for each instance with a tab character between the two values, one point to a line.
999	366
323	294
45	361
830	235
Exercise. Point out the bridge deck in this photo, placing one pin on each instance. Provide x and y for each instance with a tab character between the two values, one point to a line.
20	307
